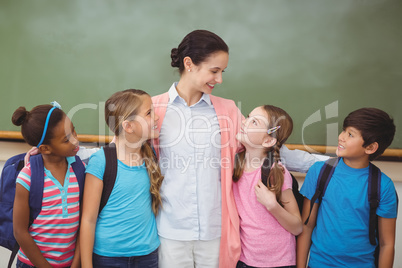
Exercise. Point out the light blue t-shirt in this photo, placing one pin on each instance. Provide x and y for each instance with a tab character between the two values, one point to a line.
341	236
126	226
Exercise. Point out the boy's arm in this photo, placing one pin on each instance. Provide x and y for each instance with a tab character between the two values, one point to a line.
386	231
304	239
20	226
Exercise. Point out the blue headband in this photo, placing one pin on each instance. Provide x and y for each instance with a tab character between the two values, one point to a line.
55	105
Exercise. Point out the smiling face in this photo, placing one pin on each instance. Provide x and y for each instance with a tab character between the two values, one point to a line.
143	126
350	147
253	132
207	74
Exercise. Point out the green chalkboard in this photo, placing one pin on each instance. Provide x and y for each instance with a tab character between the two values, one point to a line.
317	59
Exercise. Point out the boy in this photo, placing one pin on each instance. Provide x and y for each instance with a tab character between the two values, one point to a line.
338	229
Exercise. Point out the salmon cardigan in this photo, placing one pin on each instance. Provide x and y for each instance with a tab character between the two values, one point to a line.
229	117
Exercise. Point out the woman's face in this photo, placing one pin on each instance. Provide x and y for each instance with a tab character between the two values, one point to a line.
207	74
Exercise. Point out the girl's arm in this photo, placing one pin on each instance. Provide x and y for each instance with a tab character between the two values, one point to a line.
77	253
21	224
83	153
91	201
386	231
304	239
288	215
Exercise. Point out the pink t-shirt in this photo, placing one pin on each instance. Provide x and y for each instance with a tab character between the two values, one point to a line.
264	242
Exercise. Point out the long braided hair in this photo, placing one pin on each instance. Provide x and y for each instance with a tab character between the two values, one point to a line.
281	126
120	106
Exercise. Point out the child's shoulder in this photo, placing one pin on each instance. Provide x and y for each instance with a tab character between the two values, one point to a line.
386	182
24	176
97	158
316	166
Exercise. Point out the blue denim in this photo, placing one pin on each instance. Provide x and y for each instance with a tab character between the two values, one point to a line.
147	261
20	264
241	264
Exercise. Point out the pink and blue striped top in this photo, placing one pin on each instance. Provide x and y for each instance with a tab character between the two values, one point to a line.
55	228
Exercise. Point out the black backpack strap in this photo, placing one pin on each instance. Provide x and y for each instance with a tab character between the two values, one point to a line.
266	168
109	177
326	173
37	184
374	190
79	170
14	252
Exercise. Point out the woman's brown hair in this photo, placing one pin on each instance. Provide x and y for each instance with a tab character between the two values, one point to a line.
198	45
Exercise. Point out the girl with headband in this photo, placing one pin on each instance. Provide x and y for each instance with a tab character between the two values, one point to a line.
42	244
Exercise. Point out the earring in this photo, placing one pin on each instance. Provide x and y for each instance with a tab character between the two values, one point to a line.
189	70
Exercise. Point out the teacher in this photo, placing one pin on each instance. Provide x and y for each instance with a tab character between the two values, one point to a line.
198	224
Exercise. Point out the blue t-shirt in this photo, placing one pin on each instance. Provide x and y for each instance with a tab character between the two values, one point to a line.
341	236
126	226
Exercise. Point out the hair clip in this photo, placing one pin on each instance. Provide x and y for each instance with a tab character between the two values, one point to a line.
273	130
56	104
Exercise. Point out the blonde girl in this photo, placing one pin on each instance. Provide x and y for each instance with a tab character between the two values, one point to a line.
124	233
269	215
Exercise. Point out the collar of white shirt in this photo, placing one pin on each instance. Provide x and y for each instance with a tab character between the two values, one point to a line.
173	95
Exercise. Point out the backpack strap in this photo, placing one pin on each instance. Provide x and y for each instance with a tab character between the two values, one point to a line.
36	188
79	170
14	252
374	190
109	177
326	173
266	169
35	195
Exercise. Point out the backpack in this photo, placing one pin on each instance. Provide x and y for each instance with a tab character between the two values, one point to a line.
266	168
109	177
374	193
8	178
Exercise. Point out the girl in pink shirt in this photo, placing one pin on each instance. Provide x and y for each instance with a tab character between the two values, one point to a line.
269	215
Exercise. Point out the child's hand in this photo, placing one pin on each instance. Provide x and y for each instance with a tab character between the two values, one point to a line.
32	151
266	197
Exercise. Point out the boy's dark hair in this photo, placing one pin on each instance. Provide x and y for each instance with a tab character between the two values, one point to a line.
198	45
374	125
33	122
